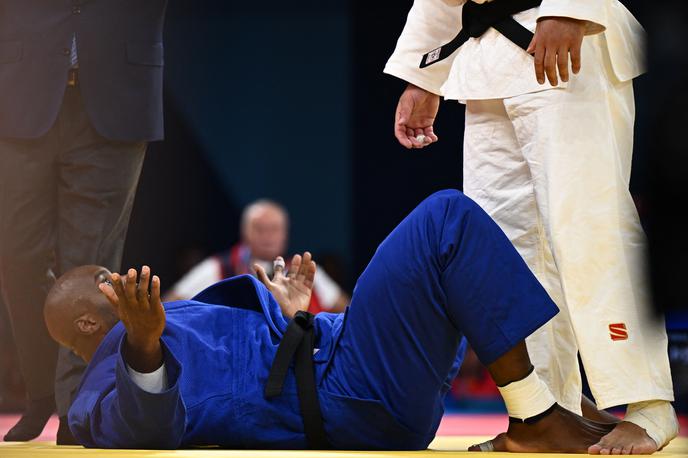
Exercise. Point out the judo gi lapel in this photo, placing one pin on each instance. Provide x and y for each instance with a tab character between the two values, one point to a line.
246	292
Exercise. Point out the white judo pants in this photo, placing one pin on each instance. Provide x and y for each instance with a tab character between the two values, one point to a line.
552	168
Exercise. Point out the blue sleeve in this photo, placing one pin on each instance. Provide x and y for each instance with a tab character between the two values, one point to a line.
111	411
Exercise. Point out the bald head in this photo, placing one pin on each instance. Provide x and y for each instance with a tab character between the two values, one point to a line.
76	313
265	229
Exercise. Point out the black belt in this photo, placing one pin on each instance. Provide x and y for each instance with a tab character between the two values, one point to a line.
297	344
476	18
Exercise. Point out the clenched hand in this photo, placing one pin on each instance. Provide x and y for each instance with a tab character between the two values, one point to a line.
416	112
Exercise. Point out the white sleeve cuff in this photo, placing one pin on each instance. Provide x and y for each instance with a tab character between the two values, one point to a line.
592	11
152	382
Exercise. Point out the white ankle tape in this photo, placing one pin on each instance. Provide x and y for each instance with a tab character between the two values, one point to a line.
527	398
656	417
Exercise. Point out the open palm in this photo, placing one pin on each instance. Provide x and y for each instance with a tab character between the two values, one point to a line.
292	291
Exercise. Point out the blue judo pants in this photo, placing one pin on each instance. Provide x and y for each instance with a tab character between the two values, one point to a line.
445	272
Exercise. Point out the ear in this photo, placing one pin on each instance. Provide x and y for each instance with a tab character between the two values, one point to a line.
87	324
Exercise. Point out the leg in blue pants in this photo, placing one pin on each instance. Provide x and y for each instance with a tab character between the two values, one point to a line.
445	272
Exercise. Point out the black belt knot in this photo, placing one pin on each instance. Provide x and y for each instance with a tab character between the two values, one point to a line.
297	344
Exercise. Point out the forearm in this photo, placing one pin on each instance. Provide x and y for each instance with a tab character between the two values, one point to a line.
144	357
129	416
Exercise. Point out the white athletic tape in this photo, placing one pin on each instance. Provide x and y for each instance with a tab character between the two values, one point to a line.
527	397
487	446
657	418
278	263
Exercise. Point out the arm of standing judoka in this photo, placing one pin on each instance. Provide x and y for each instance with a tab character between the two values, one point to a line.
430	24
127	416
594	12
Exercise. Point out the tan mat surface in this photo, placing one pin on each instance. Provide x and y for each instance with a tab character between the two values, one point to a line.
444	446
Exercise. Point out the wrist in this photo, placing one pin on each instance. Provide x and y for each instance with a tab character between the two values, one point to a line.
144	356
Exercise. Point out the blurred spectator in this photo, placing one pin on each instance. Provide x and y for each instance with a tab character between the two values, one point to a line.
264	236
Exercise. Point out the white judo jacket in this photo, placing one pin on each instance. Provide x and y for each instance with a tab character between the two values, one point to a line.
491	66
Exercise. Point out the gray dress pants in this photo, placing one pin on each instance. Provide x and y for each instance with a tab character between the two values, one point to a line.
65	201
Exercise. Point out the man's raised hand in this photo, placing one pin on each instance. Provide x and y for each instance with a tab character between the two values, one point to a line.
143	315
292	291
415	115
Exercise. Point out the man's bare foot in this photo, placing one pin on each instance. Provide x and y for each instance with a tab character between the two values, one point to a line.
626	439
561	431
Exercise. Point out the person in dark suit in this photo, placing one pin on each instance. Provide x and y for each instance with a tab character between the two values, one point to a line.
81	85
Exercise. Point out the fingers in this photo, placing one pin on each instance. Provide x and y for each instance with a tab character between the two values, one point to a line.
155	290
539	63
262	276
411	135
110	294
575	58
130	287
430	134
118	287
551	66
307	268
403	111
421	137
310	275
553	41
278	267
142	289
563	64
295	265
304	266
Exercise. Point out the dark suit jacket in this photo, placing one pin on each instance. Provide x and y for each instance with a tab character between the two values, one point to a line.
120	52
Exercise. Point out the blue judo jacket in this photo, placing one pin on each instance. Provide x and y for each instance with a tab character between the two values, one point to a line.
218	350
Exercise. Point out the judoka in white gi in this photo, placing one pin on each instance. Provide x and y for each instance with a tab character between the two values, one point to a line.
550	161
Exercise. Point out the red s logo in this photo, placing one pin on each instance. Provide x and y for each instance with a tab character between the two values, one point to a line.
618	331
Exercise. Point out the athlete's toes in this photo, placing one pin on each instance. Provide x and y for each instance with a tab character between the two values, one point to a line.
486	446
595	449
475	447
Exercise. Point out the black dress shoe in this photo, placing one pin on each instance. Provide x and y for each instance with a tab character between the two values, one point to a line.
64	435
31	424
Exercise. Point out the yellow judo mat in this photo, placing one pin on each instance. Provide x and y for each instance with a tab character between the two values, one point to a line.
443	446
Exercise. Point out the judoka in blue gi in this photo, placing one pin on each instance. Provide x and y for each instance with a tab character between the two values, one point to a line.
205	371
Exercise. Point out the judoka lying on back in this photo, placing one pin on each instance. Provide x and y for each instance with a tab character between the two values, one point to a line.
208	371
